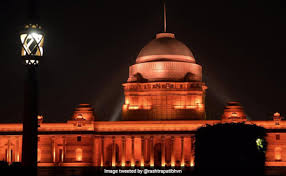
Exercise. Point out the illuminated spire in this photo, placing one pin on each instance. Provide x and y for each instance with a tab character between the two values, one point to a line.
165	17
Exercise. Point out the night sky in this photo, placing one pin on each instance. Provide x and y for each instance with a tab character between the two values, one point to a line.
90	45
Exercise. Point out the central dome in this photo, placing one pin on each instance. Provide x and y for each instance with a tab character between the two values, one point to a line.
165	48
165	59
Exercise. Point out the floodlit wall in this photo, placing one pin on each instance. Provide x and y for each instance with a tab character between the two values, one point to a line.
126	143
164	101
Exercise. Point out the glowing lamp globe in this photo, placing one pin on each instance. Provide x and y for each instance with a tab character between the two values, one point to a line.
32	40
276	114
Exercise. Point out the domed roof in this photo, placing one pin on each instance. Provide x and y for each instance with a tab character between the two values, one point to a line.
165	47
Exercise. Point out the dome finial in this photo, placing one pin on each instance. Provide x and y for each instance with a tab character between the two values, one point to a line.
165	17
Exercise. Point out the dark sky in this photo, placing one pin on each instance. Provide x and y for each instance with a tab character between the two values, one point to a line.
90	45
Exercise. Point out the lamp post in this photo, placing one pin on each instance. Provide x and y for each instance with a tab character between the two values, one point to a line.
32	40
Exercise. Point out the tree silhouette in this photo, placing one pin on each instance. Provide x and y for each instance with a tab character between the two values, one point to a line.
230	149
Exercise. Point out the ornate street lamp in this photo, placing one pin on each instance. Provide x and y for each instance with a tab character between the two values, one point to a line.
32	40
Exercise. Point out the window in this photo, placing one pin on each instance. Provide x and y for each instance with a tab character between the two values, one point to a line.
78	154
277	136
78	138
277	153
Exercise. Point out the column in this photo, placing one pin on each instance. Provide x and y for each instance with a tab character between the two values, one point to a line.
96	154
39	151
192	162
142	150
113	152
53	149
191	154
102	152
123	153
163	163
151	152
182	152
172	152
17	153
9	159
64	149
132	154
20	148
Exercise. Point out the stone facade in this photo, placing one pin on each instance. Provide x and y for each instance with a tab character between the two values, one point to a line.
125	143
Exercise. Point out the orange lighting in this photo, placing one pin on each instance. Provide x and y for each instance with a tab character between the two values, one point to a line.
54	155
192	163
127	102
62	157
7	156
165	99
200	106
79	117
276	114
125	107
18	158
39	155
40	117
146	107
152	160
78	153
234	114
190	107
278	153
133	107
179	107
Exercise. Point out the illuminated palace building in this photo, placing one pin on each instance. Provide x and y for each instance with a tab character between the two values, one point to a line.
164	106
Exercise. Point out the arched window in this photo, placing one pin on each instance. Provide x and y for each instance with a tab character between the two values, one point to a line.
78	154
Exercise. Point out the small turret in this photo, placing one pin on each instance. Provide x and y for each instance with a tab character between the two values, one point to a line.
233	112
277	118
83	112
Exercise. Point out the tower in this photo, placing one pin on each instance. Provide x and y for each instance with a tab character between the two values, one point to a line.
165	83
